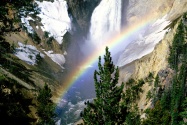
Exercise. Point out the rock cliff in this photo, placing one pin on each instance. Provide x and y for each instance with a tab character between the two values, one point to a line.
136	10
156	61
81	11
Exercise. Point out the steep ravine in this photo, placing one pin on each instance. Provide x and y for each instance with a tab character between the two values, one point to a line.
48	71
156	61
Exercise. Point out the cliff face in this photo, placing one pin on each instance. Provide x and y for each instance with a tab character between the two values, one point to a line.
155	62
161	12
138	8
81	11
157	17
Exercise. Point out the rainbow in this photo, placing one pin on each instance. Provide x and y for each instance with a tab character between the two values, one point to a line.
117	39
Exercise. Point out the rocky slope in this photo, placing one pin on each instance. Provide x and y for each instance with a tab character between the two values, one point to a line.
155	62
139	8
157	59
41	46
155	18
29	57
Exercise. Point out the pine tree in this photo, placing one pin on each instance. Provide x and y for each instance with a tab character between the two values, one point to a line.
107	108
183	113
45	107
157	116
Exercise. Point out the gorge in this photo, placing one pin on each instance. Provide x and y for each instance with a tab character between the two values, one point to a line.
72	34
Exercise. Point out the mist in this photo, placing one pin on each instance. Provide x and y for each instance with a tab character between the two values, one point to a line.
126	41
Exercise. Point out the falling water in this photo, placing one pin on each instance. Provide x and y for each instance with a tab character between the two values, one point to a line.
105	20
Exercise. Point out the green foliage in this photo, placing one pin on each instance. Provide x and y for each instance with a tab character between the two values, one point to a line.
149	95
36	38
150	75
19	8
177	48
133	91
46	0
106	109
178	94
149	78
14	107
169	104
50	40
30	56
13	48
16	68
21	3
157	90
183	112
45	107
156	82
4	48
166	99
157	116
7	24
133	117
11	63
38	58
112	105
170	107
46	34
178	90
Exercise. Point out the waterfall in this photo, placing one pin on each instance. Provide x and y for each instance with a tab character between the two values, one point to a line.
105	20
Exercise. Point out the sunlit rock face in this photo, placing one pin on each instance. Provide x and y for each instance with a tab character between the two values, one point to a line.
150	52
155	62
138	8
162	14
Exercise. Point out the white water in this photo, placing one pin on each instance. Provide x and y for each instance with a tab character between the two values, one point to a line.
106	23
105	20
